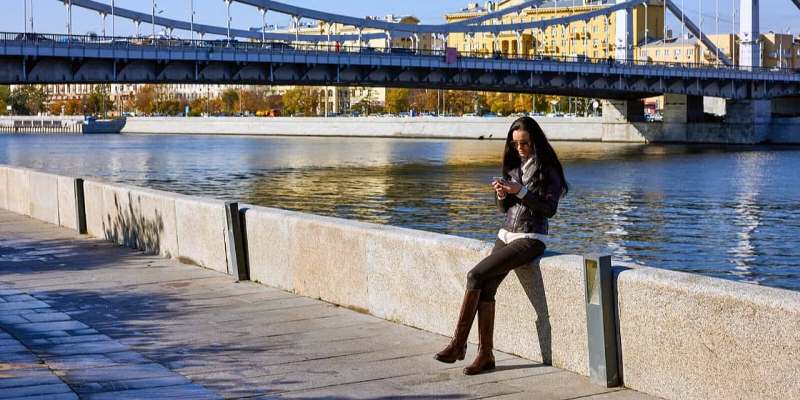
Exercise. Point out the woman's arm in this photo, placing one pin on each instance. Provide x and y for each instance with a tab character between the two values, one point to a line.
546	205
503	204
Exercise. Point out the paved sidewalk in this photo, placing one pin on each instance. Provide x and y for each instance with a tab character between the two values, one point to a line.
82	318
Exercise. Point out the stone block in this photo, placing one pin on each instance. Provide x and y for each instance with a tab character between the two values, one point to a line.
562	307
202	232
115	223
694	337
95	209
267	231
418	278
151	221
19	193
67	216
3	187
328	260
43	196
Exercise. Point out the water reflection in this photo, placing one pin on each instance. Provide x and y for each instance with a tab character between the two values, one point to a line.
725	212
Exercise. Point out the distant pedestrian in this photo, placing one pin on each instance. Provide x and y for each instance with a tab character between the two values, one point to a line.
528	192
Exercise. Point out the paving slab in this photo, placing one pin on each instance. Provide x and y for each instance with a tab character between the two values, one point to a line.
110	323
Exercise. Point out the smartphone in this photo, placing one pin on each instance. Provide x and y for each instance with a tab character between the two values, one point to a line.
499	179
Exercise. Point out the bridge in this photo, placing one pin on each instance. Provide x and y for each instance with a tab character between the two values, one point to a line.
83	59
261	56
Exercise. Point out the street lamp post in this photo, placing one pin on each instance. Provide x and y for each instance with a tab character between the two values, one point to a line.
228	7
191	19
113	23
153	19
263	24
69	17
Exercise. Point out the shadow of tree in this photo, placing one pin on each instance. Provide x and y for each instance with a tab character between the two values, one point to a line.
22	255
129	226
530	276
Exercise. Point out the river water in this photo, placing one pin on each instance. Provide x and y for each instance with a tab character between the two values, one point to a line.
730	212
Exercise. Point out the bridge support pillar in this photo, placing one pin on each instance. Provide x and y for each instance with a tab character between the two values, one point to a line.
680	113
623	121
749	119
623	110
682	109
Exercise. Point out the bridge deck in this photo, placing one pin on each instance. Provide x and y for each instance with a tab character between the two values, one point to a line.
107	322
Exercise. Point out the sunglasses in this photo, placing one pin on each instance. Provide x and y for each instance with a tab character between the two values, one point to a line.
520	143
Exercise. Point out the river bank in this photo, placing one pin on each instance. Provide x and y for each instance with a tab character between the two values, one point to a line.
590	129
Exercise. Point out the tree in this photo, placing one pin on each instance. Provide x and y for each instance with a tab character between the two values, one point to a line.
500	103
523	103
5	92
397	100
300	100
423	100
169	107
198	107
460	102
98	101
28	100
145	99
253	101
274	103
57	107
230	98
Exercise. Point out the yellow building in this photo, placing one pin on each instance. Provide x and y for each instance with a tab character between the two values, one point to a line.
594	39
340	100
689	50
780	50
777	50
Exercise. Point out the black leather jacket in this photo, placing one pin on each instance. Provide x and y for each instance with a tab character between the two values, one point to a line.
530	214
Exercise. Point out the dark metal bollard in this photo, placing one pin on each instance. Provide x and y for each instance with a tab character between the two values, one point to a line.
80	207
236	251
600	321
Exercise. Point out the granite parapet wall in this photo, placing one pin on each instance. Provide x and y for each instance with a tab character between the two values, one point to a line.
682	336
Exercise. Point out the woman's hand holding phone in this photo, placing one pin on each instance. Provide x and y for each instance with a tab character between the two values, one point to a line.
497	183
505	186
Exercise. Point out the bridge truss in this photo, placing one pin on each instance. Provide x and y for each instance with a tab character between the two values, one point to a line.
477	25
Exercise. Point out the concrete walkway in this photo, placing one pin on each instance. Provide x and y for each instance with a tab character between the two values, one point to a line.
82	318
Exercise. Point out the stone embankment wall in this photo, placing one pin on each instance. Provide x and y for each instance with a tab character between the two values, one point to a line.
782	131
682	336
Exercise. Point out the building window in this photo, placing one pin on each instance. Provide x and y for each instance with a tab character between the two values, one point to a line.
689	52
658	53
677	52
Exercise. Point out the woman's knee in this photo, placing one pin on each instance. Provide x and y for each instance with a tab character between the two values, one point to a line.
474	279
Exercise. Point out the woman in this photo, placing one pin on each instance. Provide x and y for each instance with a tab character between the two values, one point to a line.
528	193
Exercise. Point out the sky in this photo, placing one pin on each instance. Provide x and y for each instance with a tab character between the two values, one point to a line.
50	16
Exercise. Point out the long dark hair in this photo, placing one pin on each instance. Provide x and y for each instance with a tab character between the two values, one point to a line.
546	160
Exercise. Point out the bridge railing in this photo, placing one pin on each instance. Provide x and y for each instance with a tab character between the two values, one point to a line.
60	40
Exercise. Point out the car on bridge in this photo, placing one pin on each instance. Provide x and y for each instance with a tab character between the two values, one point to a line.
32	37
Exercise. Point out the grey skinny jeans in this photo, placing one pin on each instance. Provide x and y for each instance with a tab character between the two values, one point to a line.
490	272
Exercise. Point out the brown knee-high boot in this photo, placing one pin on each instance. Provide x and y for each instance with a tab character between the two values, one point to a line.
458	346
485	359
